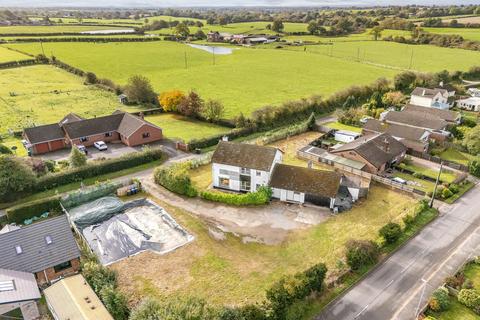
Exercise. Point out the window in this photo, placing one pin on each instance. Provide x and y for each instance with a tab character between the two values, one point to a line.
224	182
18	249
245	185
244	171
259	173
7	285
108	134
145	135
48	240
83	139
62	266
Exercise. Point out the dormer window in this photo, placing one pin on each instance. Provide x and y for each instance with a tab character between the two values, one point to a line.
18	249
48	240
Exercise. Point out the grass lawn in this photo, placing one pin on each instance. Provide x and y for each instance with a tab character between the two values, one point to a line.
467	33
340	126
457	311
244	81
17	142
43	94
454	155
7	55
231	272
421	184
447	176
175	126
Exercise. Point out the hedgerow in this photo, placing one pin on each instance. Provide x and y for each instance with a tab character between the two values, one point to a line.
175	178
260	197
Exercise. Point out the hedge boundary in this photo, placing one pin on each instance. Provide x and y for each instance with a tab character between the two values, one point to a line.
18	214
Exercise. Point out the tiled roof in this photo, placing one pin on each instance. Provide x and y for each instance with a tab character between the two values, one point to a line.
44	133
24	286
310	181
377	149
426	92
93	126
36	254
245	155
396	130
416	119
446	115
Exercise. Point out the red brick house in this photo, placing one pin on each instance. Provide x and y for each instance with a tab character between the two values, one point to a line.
74	130
46	248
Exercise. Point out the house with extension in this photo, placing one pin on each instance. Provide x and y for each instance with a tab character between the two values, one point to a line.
47	249
416	139
300	185
19	290
470	103
75	130
72	298
243	167
430	98
449	116
377	151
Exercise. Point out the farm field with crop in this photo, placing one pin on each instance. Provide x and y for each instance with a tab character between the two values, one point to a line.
467	33
7	55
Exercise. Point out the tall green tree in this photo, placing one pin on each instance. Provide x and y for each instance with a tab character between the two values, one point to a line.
376	32
77	158
182	30
140	90
277	26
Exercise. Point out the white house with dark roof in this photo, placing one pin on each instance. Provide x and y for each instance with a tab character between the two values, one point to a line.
243	167
430	98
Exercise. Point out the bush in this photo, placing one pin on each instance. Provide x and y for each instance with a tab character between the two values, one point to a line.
440	301
247	312
361	253
260	197
115	302
474	168
98	276
15	177
391	232
469	298
20	213
5	150
175	178
446	193
408	220
178	309
77	158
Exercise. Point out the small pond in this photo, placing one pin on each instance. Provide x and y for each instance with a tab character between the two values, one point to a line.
212	49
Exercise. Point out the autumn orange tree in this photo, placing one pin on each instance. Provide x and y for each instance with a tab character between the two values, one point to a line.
170	100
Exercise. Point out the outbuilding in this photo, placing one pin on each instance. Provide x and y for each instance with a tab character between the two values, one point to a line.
346	136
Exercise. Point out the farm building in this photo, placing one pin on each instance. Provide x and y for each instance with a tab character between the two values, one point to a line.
470	104
18	290
378	152
72	298
346	136
430	98
243	167
46	248
416	139
74	130
300	185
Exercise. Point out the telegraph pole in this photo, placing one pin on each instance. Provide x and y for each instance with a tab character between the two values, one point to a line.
411	61
213	55
41	45
185	56
436	184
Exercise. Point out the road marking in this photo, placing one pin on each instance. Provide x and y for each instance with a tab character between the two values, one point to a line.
360	313
432	274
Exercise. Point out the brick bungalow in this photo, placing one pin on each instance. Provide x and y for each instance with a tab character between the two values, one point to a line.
46	248
75	130
377	151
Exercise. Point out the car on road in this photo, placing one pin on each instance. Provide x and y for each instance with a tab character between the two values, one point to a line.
100	145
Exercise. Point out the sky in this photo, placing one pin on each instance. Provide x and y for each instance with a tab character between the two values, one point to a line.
223	3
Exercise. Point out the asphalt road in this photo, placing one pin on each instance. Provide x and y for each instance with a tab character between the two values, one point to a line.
401	286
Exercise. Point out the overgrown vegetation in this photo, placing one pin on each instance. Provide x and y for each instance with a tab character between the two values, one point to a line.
260	197
175	178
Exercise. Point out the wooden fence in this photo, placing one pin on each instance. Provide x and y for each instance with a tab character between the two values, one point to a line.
397	185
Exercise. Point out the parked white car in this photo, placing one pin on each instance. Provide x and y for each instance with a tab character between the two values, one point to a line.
399	180
100	145
82	148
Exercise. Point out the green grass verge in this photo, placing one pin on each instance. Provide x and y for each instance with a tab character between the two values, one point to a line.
462	190
86	182
456	156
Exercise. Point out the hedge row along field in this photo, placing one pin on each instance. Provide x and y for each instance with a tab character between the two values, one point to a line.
7	55
248	78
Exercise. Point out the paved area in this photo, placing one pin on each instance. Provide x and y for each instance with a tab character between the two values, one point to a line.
114	150
266	224
400	286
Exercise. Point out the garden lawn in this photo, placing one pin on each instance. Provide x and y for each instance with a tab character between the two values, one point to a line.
457	311
472	272
244	81
7	55
178	127
472	34
454	155
340	126
231	272
42	94
420	184
447	175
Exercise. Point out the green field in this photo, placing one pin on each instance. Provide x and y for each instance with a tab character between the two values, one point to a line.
243	81
7	55
364	36
178	127
51	29
467	33
44	94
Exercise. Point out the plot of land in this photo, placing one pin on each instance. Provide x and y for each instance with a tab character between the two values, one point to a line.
454	155
7	55
178	127
244	81
467	33
44	94
50	29
231	272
